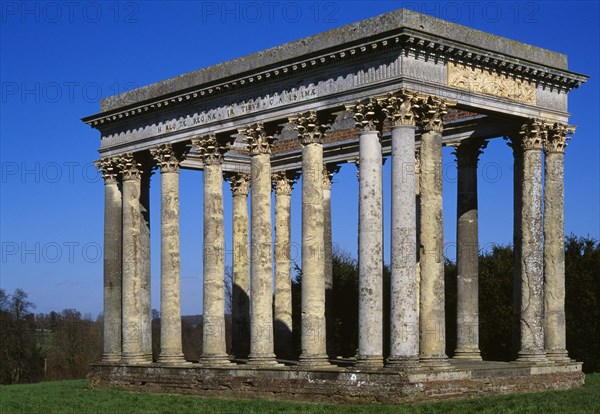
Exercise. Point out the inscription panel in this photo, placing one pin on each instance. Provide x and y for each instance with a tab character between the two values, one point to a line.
490	83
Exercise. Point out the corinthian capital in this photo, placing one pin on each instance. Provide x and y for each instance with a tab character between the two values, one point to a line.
209	148
310	130
556	137
532	135
367	114
257	138
400	107
329	170
166	158
431	113
283	182
109	168
467	152
239	183
130	167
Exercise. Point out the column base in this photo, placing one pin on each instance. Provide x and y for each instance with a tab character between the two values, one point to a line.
467	354
176	359
402	362
267	361
558	355
435	362
135	359
532	357
314	361
220	360
108	358
369	361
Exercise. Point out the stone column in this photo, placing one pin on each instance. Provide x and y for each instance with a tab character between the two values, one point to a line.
261	301
432	347
170	274
328	172
283	183
112	259
211	152
531	137
554	249
418	224
404	330
133	352
240	301
146	316
370	250
311	133
467	257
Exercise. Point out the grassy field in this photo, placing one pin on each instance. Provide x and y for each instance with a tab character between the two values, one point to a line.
72	397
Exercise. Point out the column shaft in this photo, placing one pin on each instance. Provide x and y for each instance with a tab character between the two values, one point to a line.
554	250
112	262
370	256
328	173
314	351
467	257
213	338
283	282
240	302
146	315
404	338
532	252
133	352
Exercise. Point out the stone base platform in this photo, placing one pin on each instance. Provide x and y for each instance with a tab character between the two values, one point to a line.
464	379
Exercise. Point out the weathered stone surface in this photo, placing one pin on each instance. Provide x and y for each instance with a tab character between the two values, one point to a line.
531	246
170	289
343	385
113	234
282	185
240	302
467	257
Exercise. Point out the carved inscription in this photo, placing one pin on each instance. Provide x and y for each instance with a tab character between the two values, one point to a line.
490	83
239	108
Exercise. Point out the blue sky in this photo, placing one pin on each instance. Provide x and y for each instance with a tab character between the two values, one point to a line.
58	59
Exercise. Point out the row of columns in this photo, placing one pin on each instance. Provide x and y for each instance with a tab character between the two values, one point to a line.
417	332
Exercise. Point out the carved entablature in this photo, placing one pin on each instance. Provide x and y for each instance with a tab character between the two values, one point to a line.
239	183
131	169
431	113
109	168
467	152
257	138
557	137
310	129
209	148
283	182
367	114
400	107
532	135
166	158
490	82
329	170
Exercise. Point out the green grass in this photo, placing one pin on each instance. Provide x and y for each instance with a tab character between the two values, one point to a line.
73	397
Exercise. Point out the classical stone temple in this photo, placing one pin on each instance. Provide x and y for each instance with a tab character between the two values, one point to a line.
399	87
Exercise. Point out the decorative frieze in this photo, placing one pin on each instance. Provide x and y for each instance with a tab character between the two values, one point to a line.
490	82
258	140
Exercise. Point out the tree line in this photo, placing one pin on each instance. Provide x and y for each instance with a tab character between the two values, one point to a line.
62	345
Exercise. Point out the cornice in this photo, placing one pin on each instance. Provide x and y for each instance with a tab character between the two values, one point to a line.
407	41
